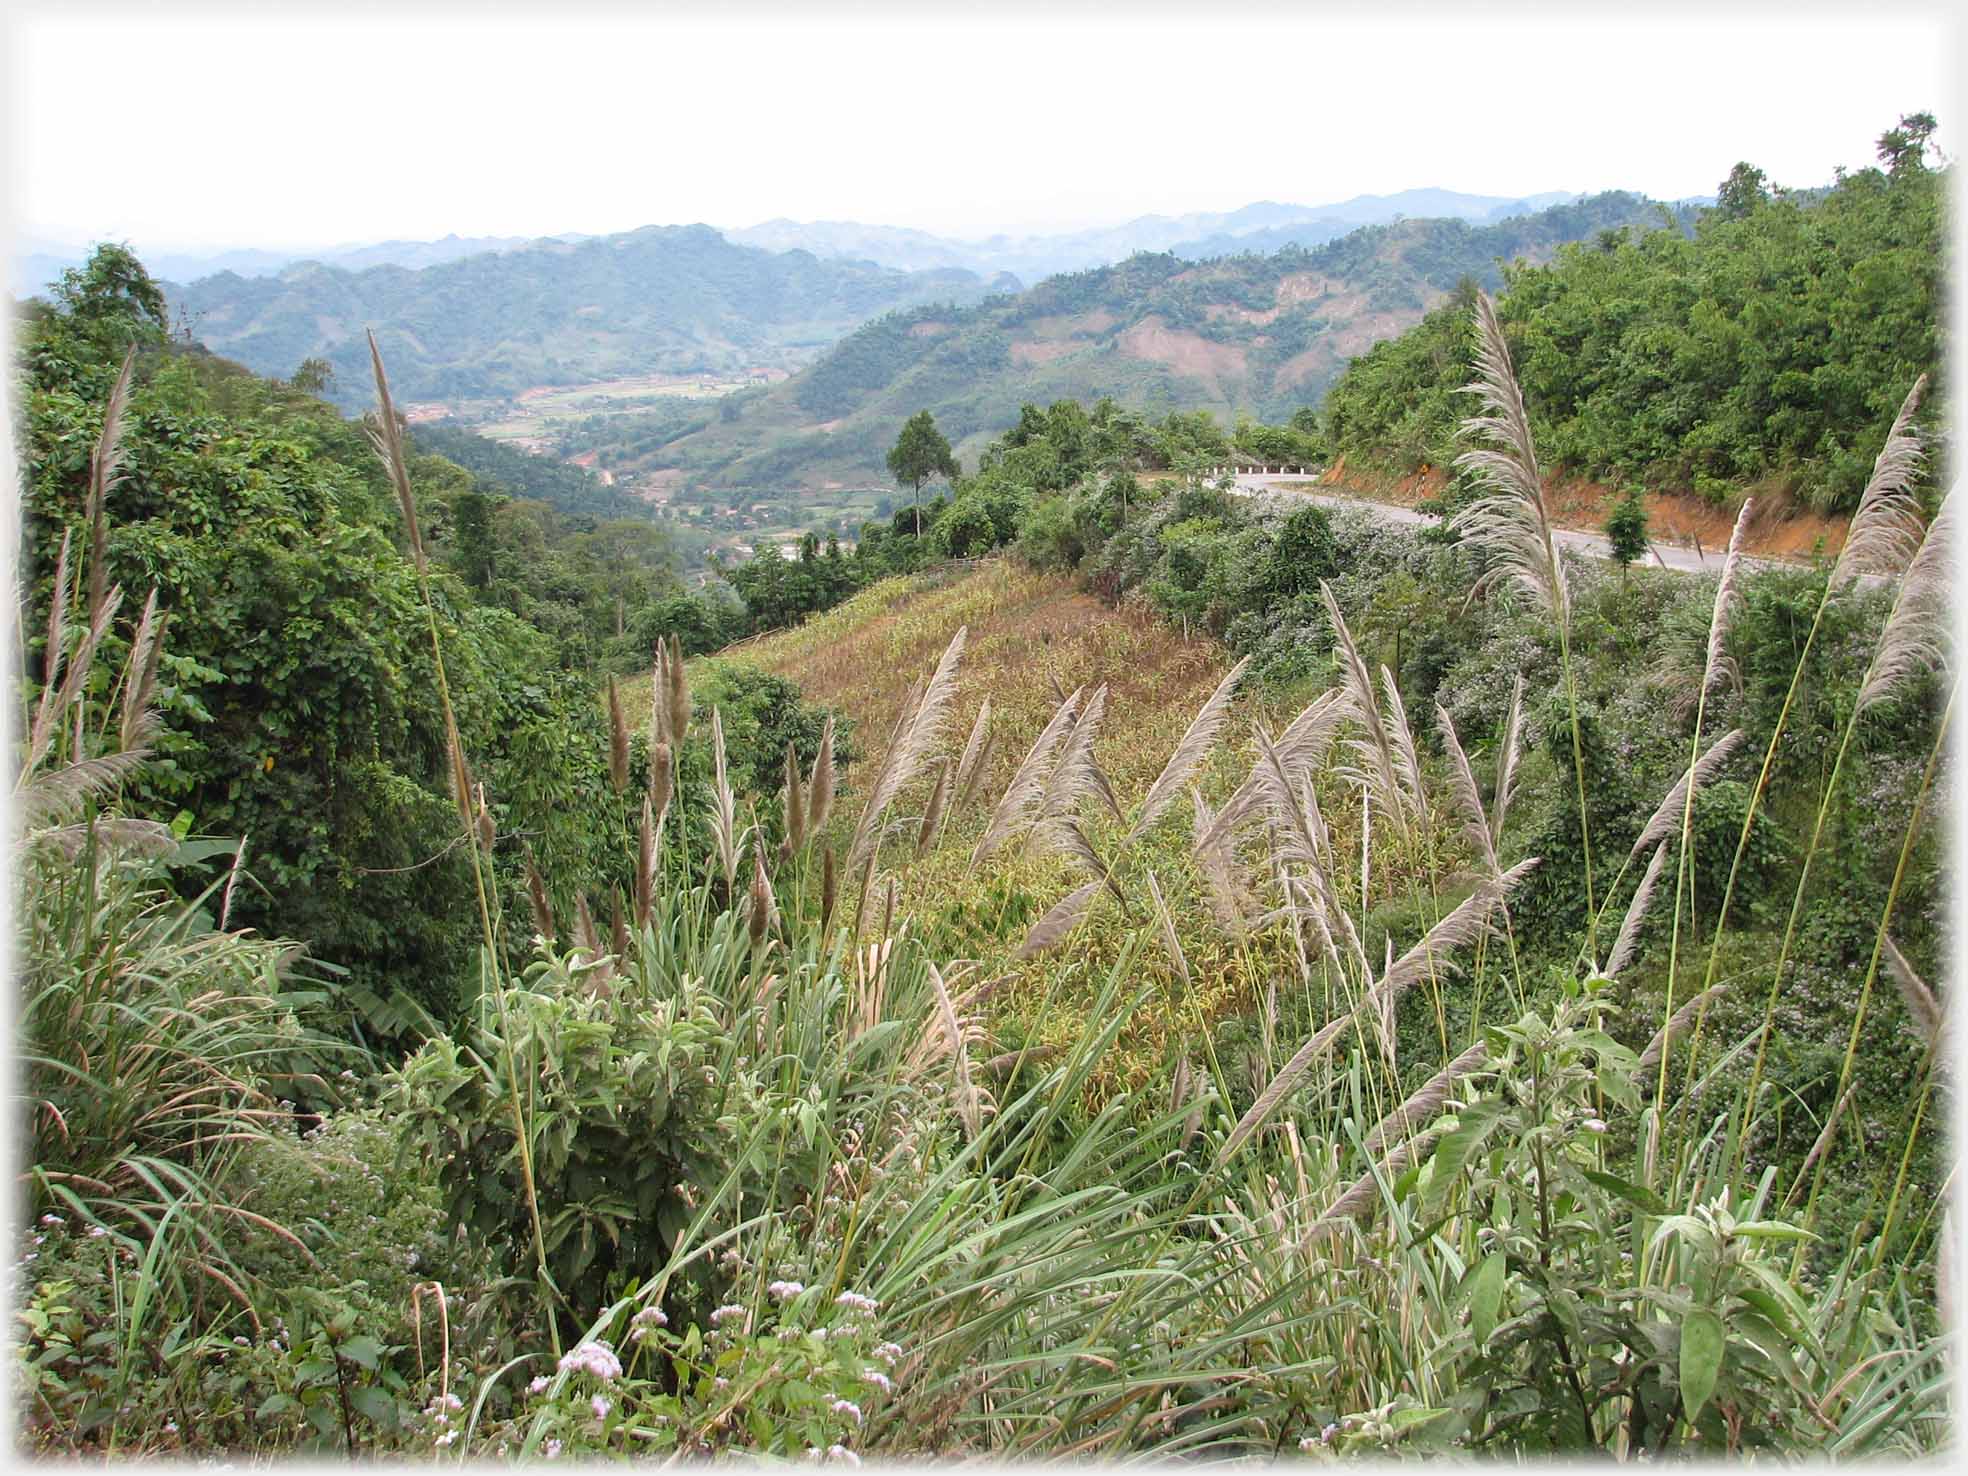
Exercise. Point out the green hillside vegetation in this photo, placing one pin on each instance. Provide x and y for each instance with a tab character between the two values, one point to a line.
1213	982
568	489
1760	350
676	299
1244	335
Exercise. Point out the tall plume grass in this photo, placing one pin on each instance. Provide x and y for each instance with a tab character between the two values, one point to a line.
387	438
911	749
1512	528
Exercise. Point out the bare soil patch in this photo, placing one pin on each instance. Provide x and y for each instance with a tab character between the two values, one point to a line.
1186	353
1780	527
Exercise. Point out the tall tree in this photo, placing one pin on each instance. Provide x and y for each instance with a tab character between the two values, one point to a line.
920	453
1904	149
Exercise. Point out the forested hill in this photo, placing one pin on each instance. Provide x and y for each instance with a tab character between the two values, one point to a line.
662	299
1243	334
1769	349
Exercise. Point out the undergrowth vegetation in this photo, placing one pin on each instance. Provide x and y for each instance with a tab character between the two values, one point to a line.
1420	1027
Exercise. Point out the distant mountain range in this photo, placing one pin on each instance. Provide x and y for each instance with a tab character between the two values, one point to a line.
42	265
663	299
1244	333
1195	236
36	264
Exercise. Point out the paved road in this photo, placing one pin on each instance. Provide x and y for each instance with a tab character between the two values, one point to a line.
1668	555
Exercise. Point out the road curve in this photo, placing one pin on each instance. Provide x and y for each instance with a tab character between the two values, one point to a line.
1298	487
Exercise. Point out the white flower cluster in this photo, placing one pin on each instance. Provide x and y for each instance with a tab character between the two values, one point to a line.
785	1291
848	1408
596	1358
728	1312
888	1352
880	1380
855	1302
642	1327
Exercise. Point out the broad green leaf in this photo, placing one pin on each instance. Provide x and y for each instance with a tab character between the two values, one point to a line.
1485	1284
1702	1341
1633	1194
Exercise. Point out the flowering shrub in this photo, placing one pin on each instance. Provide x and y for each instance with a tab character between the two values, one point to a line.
796	1375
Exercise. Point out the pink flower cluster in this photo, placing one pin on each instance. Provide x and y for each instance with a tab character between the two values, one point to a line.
596	1358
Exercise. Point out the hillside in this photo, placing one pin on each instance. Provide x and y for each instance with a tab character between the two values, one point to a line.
1767	350
1247	334
658	300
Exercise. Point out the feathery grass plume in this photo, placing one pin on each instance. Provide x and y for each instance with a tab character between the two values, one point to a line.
1510	748
1727	601
51	657
724	806
662	777
1886	529
829	889
763	910
1179	1084
820	790
679	699
932	818
1195	743
1366	708
1918	633
1028	780
1362	1194
795	805
80	663
618	742
586	938
969	1104
618	927
1666	820
1676	1026
1407	762
1302	747
973	751
1229	899
488	833
138	719
1510	525
1468	798
1462	925
387	437
659	697
1066	837
51	797
1280	1086
1166	926
536	897
1636	912
1060	919
1425	1100
912	746
648	837
1922	1007
1307	844
1073	772
978	770
105	470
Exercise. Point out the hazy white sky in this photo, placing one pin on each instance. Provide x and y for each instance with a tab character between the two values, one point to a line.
177	126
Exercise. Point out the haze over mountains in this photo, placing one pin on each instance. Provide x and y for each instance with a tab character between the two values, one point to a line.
661	300
38	263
